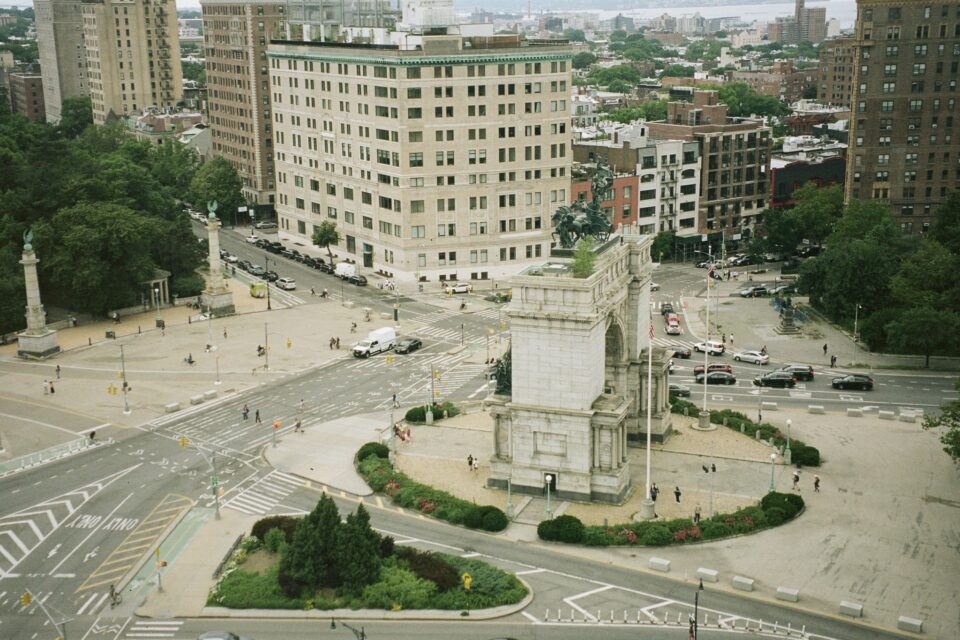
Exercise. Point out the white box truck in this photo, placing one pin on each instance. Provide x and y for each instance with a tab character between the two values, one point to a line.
378	341
344	270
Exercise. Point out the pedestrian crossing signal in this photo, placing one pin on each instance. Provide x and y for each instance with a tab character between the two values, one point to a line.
26	598
183	441
389	359
112	389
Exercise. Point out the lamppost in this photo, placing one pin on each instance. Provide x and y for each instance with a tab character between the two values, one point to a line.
549	479
216	359
787	454
856	317
266	347
123	379
773	461
359	634
266	266
156	302
510	497
489	333
759	405
695	621
461	334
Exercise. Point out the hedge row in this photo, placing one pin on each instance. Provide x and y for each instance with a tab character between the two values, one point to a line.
383	478
803	455
418	415
774	510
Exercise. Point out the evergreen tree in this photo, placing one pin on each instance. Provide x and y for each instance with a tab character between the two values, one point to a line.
311	558
358	552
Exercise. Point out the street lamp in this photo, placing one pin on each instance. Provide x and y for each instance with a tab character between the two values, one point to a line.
266	266
359	634
549	479
510	497
123	378
856	317
787	454
759	405
695	622
773	461
156	301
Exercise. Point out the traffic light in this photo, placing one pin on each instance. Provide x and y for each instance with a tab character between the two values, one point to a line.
26	598
183	441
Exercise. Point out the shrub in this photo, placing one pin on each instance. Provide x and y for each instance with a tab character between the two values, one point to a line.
712	529
657	535
387	546
598	537
678	405
290	586
430	566
250	544
416	415
399	587
494	520
775	516
789	503
275	541
287	524
561	529
377	449
187	286
805	455
245	590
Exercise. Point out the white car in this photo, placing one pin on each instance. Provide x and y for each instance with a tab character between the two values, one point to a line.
654	286
713	347
287	283
252	238
458	287
751	356
232	259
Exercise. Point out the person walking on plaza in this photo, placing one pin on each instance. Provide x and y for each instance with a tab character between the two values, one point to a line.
46	388
256	417
245	411
825	347
654	491
796	481
332	341
816	484
676	493
338	344
298	427
470	462
731	339
696	515
476	465
52	388
58	372
833	362
224	333
724	339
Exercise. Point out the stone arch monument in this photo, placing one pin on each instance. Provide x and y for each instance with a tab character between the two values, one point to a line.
579	371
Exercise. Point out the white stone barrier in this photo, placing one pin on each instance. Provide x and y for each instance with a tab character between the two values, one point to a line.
816	408
710	575
198	399
787	593
853	412
852	609
886	415
769	406
905	623
172	407
210	395
659	564
742	583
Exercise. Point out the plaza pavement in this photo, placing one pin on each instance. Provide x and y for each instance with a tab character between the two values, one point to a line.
882	532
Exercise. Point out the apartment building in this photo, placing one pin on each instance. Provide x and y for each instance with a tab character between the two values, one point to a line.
62	58
665	194
735	162
781	80
904	143
236	34
836	72
440	156
132	56
26	93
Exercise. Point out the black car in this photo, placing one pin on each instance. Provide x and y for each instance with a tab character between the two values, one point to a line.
360	281
666	308
309	262
245	265
326	267
799	371
270	276
257	270
781	379
296	255
261	243
274	247
407	345
679	390
718	377
681	352
853	381
287	253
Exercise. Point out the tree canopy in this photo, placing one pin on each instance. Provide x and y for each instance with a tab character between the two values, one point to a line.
326	234
650	110
583	60
217	179
742	100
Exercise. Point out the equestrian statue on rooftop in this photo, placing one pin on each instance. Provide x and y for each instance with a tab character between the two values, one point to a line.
583	219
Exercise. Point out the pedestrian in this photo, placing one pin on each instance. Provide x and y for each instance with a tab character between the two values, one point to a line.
58	372
724	338
470	462
245	411
52	388
731	339
825	348
256	417
338	344
713	468
696	515
816	484
46	388
224	333
654	492
476	464
409	435
298	426
796	481
676	493
313	291
833	362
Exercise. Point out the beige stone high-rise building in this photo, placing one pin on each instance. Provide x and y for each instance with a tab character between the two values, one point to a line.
62	60
439	157
904	139
836	72
235	38
133	56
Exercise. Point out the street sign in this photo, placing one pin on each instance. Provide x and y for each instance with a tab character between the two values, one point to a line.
183	441
26	599
214	481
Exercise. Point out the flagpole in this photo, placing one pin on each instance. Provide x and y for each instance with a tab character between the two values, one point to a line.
647	510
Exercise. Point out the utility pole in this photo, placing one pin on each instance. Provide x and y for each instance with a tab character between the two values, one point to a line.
266	266
60	625
266	345
123	378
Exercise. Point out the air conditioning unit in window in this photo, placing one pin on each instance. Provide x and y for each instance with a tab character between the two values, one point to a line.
912	126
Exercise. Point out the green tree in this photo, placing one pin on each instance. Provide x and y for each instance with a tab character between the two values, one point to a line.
620	86
650	110
817	211
949	421
584	258
927	278
678	71
358	552
174	165
217	179
742	100
76	114
913	332
193	71
946	222
662	247
326	234
863	220
312	556
781	232
575	35
583	60
606	75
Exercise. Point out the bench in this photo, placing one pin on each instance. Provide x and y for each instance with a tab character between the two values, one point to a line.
908	417
788	594
742	583
659	564
816	408
710	575
905	623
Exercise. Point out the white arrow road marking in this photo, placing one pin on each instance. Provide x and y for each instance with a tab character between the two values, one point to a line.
53	551
92	554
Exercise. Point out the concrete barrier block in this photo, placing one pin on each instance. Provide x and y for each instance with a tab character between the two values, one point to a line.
386	315
742	583
853	412
710	575
908	417
905	623
210	395
852	609
769	406
196	399
659	564
886	415
172	407
349	304
871	409
816	408
788	594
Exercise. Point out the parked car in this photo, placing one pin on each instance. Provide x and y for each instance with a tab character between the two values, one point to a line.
296	255
232	259
666	308
781	379
751	356
271	276
326	267
360	281
799	371
274	247
654	286
458	287
679	390
673	328
261	243
753	291
717	377
713	347
309	262
407	345
853	381
681	352
244	264
252	238
286	253
265	224
257	270
288	284
713	367
809	251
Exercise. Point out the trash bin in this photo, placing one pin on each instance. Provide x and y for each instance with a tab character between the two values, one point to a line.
111	334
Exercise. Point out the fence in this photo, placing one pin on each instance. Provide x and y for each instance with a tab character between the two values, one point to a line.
46	455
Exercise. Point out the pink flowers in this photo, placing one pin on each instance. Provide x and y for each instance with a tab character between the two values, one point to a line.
426	506
629	534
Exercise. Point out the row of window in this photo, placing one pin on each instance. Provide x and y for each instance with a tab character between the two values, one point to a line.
416	73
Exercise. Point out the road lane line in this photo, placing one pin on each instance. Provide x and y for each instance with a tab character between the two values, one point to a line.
87	603
82	542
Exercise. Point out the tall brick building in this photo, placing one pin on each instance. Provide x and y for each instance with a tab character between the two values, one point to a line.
836	72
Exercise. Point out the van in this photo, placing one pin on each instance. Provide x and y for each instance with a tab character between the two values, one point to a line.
378	341
344	270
